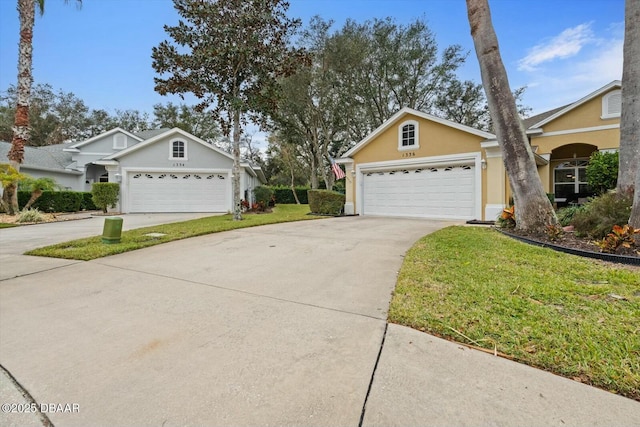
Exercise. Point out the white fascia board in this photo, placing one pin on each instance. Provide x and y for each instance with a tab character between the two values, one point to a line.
102	135
605	88
344	160
405	111
67	171
489	144
106	162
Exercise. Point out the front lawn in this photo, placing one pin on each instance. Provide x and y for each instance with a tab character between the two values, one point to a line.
572	316
92	247
7	225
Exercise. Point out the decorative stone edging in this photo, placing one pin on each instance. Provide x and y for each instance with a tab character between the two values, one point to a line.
621	259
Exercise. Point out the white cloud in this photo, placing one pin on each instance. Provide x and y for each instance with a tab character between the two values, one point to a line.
565	45
562	82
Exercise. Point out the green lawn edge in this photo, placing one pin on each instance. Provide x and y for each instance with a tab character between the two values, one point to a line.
7	225
92	247
558	312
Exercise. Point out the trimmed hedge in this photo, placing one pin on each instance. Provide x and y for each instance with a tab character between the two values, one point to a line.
325	202
284	195
54	201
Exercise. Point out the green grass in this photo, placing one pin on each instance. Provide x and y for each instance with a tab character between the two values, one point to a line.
7	225
565	314
92	247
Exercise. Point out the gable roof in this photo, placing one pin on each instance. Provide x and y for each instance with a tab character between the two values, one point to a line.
102	135
150	133
545	118
410	111
49	158
164	134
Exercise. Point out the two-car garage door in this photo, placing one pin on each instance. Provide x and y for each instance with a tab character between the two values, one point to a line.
427	192
177	192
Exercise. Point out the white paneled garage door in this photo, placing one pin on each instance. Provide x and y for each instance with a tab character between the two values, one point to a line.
177	192
427	192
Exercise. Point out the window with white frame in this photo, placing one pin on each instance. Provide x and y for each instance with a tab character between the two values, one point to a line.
408	135
570	180
179	150
612	104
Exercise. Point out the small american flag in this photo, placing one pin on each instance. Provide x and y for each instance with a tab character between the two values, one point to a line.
337	171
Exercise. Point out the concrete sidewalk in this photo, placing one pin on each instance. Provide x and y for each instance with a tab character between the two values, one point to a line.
273	325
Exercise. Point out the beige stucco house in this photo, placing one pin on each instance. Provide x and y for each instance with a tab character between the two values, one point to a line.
419	165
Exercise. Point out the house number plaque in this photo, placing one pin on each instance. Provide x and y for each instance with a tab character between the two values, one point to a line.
177	165
409	154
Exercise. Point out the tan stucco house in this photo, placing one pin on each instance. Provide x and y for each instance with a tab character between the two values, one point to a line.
419	165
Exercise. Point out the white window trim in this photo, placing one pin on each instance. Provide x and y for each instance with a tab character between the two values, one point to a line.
186	157
115	139
416	128
605	105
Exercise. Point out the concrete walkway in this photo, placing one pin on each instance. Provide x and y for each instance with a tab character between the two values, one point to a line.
274	325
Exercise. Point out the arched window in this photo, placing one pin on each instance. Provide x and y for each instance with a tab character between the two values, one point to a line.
408	135
178	150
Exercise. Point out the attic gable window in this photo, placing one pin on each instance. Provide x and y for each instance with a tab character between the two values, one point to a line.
612	104
178	150
408	135
119	141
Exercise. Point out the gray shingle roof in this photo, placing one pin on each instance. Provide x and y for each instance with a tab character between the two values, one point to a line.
47	157
530	121
150	133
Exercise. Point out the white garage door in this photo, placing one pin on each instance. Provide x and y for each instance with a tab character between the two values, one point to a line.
177	192
429	192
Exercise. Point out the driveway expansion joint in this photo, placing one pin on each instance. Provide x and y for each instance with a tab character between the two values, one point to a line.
373	374
240	291
42	271
46	422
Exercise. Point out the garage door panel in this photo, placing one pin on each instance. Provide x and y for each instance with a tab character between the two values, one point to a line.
177	192
430	192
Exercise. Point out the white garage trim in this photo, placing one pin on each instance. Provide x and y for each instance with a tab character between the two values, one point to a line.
127	173
472	159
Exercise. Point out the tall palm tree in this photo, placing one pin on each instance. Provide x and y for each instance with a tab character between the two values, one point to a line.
533	209
629	170
26	14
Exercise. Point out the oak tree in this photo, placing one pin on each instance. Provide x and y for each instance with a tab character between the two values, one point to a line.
229	54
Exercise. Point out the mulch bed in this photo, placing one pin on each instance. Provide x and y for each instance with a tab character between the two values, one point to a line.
574	243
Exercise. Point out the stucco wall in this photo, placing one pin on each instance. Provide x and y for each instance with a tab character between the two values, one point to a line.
435	139
66	180
157	155
584	116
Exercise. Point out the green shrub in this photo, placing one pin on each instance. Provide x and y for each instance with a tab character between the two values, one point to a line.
264	196
53	201
598	216
284	195
30	215
87	202
105	194
565	215
602	171
326	202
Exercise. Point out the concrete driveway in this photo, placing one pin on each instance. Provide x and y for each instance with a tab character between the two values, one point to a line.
275	325
17	240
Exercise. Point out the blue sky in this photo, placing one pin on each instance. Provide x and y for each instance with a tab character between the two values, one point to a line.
561	49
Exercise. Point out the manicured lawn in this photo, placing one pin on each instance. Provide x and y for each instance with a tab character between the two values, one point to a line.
565	314
92	247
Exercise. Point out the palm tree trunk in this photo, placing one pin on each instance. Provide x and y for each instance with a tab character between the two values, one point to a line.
533	209
26	12
629	170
